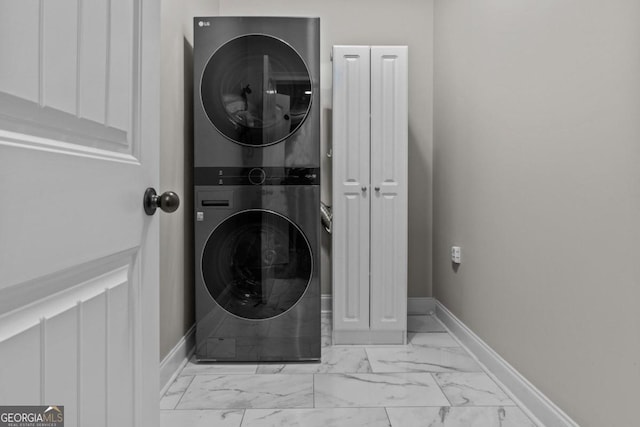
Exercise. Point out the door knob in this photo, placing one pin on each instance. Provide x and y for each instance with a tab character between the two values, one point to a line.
167	201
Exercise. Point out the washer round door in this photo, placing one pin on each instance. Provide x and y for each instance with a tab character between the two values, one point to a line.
257	264
256	90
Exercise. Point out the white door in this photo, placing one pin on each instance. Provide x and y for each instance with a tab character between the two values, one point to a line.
389	158
350	233
78	256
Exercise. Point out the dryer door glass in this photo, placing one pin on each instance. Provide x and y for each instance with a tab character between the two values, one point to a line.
256	90
257	264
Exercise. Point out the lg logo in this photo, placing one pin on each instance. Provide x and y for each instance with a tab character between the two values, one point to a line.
204	23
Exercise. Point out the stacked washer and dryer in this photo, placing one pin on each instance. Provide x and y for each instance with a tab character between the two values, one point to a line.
257	188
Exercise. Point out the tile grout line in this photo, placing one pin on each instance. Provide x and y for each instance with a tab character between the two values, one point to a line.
491	381
184	392
366	353
441	390
388	417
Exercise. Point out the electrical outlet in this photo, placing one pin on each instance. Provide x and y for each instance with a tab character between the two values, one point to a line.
456	254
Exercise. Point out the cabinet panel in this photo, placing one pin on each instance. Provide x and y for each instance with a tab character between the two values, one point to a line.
389	156
370	133
351	187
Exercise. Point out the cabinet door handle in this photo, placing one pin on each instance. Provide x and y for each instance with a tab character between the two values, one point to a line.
364	189
377	189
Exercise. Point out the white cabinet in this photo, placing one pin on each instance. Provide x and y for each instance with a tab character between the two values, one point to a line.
369	232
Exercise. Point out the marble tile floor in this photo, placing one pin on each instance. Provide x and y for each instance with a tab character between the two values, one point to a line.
432	381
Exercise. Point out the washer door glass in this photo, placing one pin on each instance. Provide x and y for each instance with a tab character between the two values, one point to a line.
257	264
256	90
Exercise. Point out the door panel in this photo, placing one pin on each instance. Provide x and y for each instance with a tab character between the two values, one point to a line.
389	156
59	350
93	354
20	368
119	367
122	57
350	177
75	82
59	48
81	338
20	75
92	60
78	146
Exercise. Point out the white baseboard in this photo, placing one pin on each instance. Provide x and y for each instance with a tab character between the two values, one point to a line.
177	358
416	305
391	338
534	402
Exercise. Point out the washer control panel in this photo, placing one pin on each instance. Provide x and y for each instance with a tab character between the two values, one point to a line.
256	176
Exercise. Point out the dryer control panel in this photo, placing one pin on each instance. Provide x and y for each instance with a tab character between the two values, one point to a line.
256	176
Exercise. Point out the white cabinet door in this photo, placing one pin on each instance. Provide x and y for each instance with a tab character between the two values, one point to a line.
389	157
351	191
79	94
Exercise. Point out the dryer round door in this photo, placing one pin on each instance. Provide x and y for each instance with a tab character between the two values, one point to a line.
257	264
256	90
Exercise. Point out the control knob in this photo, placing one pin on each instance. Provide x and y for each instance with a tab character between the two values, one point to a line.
257	176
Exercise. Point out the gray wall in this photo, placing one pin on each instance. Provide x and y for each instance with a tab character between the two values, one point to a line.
176	252
405	22
537	177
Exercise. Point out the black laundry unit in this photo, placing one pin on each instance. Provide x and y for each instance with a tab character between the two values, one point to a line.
256	188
